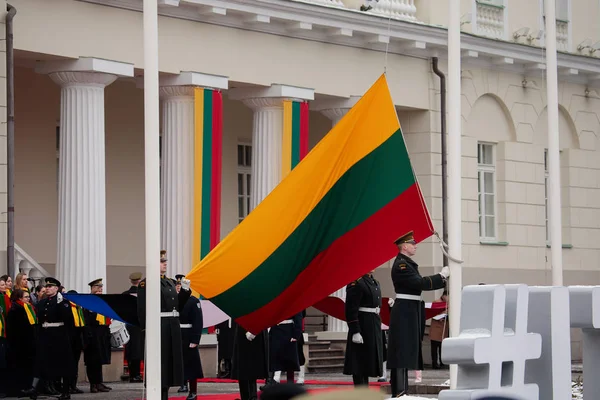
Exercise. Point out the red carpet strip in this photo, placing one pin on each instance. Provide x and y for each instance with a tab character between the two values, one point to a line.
307	382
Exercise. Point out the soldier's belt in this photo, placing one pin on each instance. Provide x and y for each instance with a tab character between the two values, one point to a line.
369	310
52	324
184	326
408	297
173	313
286	321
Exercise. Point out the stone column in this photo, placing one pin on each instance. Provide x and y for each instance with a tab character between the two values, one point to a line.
81	239
177	165
335	111
267	133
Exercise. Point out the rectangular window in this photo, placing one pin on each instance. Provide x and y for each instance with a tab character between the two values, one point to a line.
244	179
486	174
546	188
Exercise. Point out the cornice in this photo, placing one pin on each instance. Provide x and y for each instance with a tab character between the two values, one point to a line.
340	26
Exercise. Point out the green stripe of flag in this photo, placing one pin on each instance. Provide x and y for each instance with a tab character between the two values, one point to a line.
296	121
206	173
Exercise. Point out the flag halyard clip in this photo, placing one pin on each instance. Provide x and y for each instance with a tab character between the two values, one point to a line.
444	247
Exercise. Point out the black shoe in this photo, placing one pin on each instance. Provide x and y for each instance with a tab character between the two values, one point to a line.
31	393
191	396
75	390
137	379
65	396
102	385
182	388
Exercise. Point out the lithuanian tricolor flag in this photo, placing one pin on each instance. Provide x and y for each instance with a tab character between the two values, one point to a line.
331	220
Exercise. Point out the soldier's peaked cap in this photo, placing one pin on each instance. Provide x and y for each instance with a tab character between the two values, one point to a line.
163	255
96	282
179	278
135	276
52	281
407	237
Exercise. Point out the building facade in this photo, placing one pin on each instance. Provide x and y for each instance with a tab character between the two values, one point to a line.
79	175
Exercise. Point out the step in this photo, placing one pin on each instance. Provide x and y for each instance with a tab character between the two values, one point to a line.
320	345
325	353
326	369
333	360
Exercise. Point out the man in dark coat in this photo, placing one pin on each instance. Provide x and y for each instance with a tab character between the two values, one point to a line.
283	348
97	350
170	331
404	346
250	361
191	325
134	349
77	331
53	355
225	331
364	347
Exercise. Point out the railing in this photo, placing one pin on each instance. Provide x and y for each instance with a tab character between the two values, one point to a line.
25	263
395	9
490	20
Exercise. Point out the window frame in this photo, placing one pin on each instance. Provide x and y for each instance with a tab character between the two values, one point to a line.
245	169
482	169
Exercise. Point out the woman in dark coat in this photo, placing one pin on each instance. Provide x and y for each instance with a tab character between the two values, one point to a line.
364	346
20	331
191	332
283	348
97	350
250	361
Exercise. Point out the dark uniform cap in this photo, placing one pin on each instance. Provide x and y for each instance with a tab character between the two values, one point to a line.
407	237
135	276
52	282
96	282
163	256
179	278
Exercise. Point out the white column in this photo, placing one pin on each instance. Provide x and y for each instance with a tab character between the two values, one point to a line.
335	110
267	133
177	177
81	184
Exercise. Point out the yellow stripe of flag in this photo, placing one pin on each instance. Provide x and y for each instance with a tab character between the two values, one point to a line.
286	146
198	133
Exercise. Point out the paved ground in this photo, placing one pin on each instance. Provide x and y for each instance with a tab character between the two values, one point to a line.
133	391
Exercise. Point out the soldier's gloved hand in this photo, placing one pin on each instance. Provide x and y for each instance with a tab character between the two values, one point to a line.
185	284
193	345
250	336
357	338
391	302
59	298
445	272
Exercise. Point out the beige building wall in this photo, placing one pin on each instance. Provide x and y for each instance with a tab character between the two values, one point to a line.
3	154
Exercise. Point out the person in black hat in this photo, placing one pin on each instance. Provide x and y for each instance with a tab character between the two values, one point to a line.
77	331
191	323
134	349
404	346
170	331
53	356
177	281
364	345
97	351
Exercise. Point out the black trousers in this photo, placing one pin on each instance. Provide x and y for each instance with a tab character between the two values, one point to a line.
94	373
248	390
134	368
360	380
436	353
399	381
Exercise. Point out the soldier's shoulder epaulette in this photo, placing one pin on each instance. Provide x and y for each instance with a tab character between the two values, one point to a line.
143	283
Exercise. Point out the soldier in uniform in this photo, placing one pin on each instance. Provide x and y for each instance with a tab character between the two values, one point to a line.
250	360
364	347
77	334
134	349
225	331
53	356
97	350
404	346
283	347
191	323
170	331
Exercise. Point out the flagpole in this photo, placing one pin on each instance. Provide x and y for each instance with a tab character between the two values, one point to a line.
555	218
454	174
152	196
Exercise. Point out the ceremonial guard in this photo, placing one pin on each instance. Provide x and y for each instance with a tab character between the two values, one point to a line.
250	360
53	355
404	347
283	347
225	331
170	331
134	349
364	347
191	323
97	343
301	358
77	335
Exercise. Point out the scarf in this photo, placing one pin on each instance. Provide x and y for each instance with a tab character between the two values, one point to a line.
31	316
78	318
102	320
2	326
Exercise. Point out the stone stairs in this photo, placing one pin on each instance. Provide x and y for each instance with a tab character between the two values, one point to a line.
322	358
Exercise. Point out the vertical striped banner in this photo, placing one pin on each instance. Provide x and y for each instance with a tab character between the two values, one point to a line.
208	143
295	135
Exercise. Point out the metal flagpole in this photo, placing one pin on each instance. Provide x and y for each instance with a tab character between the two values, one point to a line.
454	174
152	198
555	218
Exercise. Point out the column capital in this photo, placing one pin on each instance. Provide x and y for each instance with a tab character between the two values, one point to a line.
334	105
195	79
86	64
259	95
169	92
94	79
